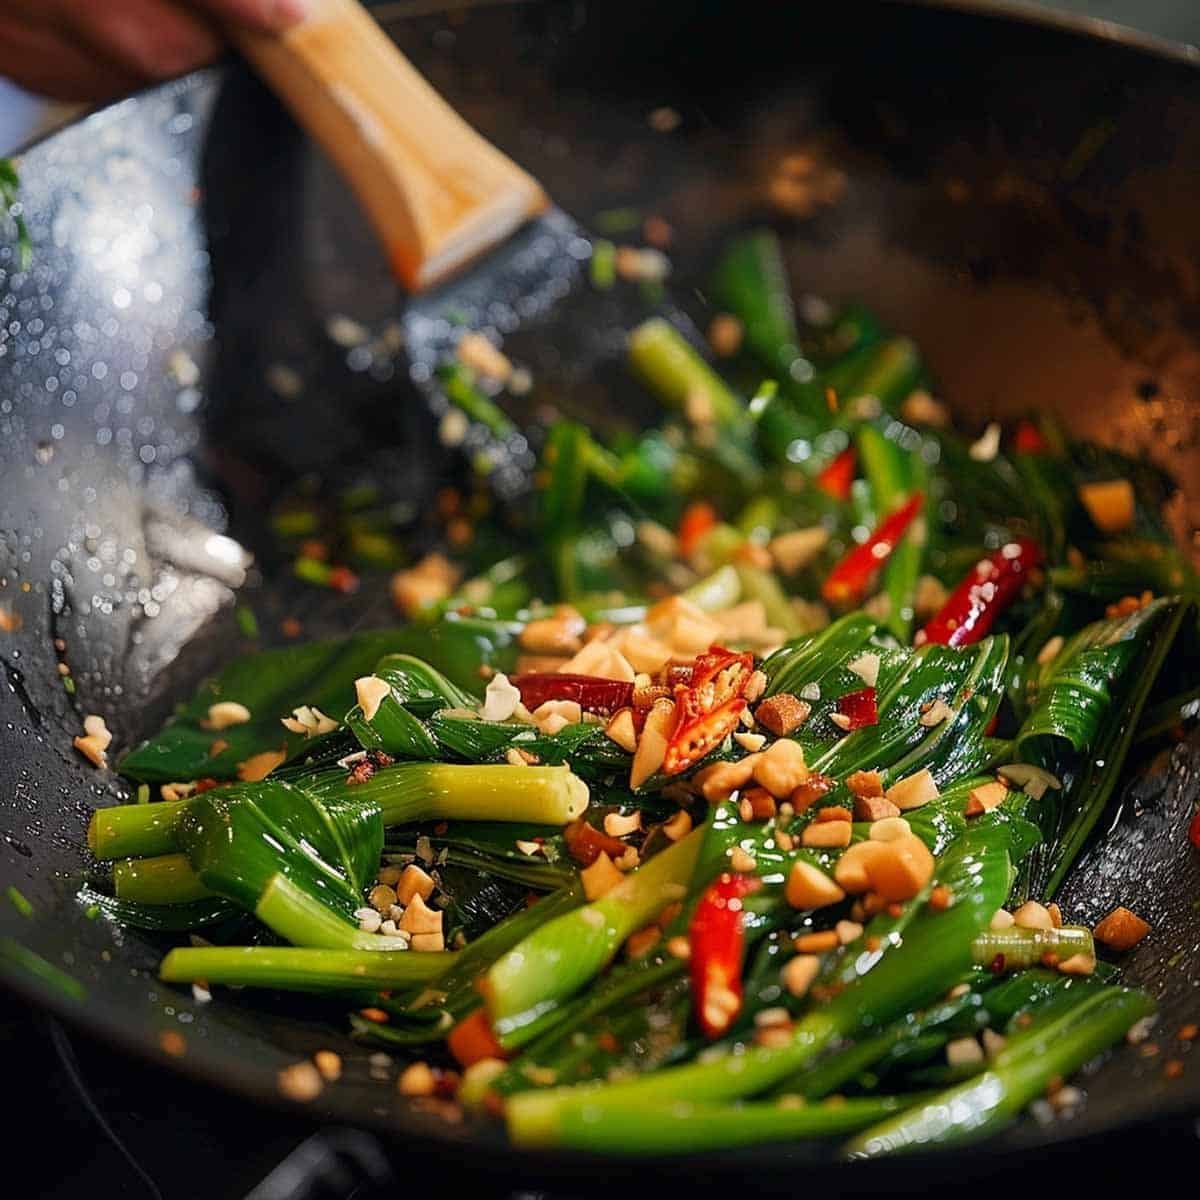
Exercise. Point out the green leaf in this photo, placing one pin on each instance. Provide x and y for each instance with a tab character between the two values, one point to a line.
270	684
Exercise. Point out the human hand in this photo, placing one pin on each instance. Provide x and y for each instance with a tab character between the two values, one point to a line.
89	50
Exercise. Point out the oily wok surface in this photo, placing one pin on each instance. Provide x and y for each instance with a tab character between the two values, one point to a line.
1016	199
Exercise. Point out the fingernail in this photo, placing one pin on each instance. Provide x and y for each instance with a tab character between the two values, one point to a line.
285	13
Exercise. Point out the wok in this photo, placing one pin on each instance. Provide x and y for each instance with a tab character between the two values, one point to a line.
1020	198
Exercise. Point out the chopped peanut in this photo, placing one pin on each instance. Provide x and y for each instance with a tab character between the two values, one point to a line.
902	870
826	835
1001	919
888	829
93	749
1078	964
560	634
832	812
329	1064
963	1051
417	1080
852	870
799	973
742	861
810	791
420	918
782	714
1111	504
618	826
757	804
682	625
938	712
866	784
781	769
1122	929
600	878
848	931
1032	915
794	551
986	797
722	779
652	745
678	826
1055	915
556	715
913	791
259	766
602	660
808	887
817	943
620	729
413	882
431	580
381	898
753	742
874	808
641	650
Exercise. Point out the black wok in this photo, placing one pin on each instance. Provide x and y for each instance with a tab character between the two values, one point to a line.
1021	199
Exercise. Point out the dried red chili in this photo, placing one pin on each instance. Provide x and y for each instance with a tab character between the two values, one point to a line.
716	937
849	580
698	518
990	586
708	710
1028	439
590	692
1194	831
836	479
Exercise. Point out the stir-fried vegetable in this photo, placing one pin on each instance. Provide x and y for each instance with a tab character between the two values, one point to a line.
718	794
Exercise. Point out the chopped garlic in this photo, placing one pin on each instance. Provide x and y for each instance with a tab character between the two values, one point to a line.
501	698
555	715
936	713
226	713
988	445
866	667
371	691
309	721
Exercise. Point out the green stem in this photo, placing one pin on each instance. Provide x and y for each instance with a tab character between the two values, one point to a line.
163	879
304	921
1018	1074
672	369
683	1126
135	830
558	958
408	792
1022	948
302	969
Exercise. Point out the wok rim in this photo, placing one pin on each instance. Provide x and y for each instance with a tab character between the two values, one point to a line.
107	1025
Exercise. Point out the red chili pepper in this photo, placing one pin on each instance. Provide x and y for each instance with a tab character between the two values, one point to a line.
990	586
836	478
709	709
861	707
716	938
1027	439
679	676
590	692
848	582
698	518
1194	831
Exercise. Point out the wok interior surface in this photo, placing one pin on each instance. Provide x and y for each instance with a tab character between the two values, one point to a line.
1020	201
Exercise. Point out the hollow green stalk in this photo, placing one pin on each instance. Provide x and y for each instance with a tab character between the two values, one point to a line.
558	958
302	969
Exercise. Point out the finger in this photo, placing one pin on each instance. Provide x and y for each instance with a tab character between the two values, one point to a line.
268	16
156	39
41	61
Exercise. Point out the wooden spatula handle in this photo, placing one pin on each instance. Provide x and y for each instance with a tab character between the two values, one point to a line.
437	193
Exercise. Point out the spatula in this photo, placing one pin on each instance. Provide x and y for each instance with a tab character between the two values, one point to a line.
473	237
